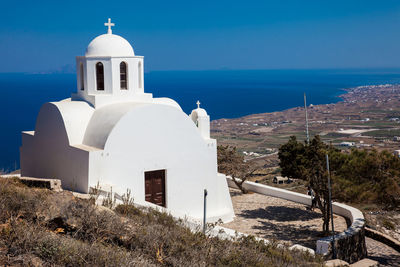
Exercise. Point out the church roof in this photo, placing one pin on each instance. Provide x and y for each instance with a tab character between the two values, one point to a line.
200	112
106	118
103	121
109	45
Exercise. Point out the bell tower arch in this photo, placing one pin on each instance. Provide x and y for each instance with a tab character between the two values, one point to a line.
109	72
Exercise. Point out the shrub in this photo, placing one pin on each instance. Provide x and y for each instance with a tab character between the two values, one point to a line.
388	224
360	176
78	233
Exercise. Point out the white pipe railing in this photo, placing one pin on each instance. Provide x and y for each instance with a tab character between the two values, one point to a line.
323	245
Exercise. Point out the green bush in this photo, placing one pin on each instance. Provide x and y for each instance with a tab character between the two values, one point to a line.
358	176
388	224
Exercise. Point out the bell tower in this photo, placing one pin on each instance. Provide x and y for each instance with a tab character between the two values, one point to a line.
110	72
200	117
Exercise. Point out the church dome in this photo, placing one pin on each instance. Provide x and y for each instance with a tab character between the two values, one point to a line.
109	45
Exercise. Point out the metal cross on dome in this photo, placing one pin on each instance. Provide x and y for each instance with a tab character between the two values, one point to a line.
109	25
198	104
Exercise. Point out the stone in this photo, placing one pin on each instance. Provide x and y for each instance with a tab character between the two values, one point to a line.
365	263
52	184
302	248
336	263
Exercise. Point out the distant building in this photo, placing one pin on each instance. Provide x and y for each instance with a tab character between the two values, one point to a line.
281	180
397	153
348	144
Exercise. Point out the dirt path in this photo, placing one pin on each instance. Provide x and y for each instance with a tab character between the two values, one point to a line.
385	255
274	218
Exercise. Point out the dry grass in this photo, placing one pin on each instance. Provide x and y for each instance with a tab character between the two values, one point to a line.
41	227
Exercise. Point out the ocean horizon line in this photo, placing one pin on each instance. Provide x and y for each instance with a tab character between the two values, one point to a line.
224	93
350	69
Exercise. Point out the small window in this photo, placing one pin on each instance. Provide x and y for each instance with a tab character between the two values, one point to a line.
100	76
123	76
82	77
140	74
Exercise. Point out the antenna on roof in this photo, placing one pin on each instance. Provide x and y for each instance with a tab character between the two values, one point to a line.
305	108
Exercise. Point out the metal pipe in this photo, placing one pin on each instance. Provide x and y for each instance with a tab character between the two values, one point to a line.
205	212
330	206
305	108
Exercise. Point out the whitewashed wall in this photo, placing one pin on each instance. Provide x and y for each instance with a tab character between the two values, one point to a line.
154	137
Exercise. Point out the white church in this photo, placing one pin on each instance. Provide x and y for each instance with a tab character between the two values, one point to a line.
113	134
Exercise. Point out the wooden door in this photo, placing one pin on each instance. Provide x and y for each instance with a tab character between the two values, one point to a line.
155	187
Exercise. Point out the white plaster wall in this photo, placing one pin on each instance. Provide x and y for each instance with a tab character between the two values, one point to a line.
357	224
154	137
204	126
70	136
274	192
26	151
112	92
104	120
79	61
47	153
202	120
141	75
167	101
91	76
133	75
76	116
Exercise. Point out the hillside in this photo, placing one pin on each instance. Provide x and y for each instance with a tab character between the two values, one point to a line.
43	228
369	116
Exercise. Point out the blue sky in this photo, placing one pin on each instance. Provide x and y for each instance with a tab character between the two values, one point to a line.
45	36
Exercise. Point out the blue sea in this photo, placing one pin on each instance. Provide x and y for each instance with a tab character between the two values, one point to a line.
223	93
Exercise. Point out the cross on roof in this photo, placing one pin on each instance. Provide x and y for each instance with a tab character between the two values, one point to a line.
109	25
198	104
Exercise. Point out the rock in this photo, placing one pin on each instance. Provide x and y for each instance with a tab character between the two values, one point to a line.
383	238
365	263
302	248
52	184
336	263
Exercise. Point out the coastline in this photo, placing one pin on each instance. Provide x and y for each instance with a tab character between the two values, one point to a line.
368	116
225	93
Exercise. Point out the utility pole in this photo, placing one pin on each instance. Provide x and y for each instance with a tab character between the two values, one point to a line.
305	108
205	212
330	207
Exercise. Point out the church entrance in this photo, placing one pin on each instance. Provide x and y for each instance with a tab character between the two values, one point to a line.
155	187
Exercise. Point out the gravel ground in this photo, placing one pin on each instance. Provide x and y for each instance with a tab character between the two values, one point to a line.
274	218
292	223
385	255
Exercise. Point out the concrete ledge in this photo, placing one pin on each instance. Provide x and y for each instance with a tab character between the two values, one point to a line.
385	239
350	244
52	184
365	263
335	263
273	191
17	175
